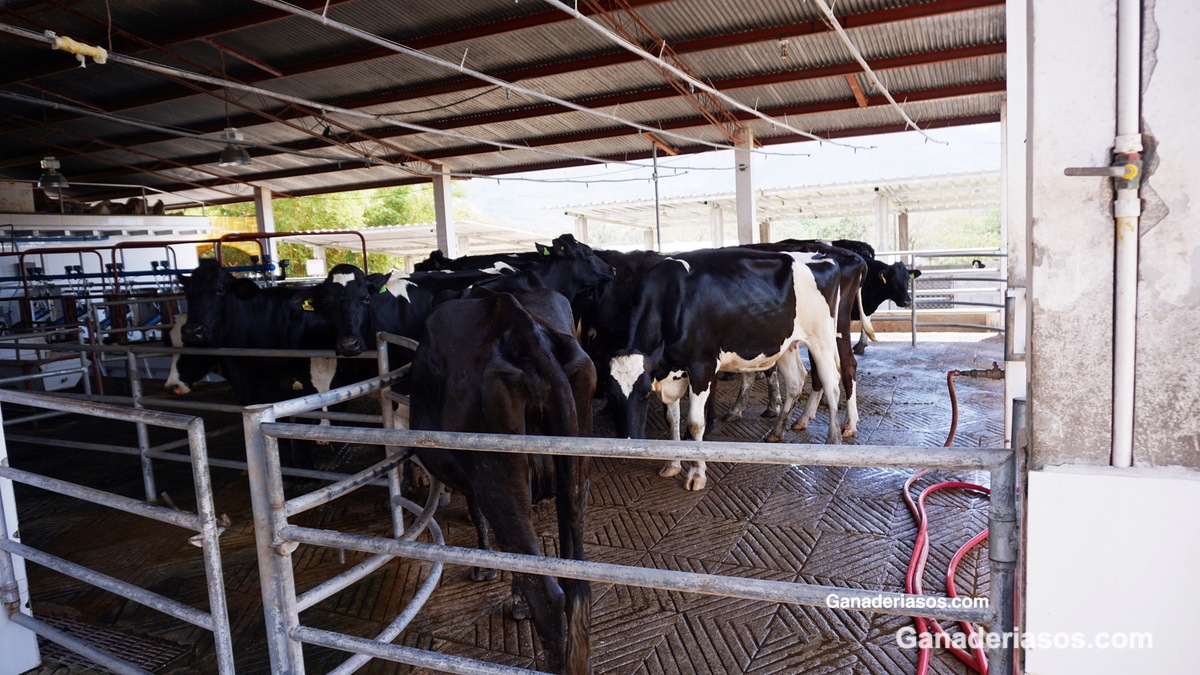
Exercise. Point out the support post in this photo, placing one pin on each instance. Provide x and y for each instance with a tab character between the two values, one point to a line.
143	433
744	179
882	235
648	240
464	245
1003	547
274	556
443	211
18	645
902	231
581	229
264	219
764	231
316	267
716	223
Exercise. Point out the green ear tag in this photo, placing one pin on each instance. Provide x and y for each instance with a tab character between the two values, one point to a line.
545	251
383	289
308	306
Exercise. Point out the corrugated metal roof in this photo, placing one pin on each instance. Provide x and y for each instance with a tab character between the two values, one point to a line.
292	42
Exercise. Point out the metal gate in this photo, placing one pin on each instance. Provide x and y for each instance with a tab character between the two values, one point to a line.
203	522
278	539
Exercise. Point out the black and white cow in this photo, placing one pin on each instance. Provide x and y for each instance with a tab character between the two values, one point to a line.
604	321
730	310
501	263
511	365
884	282
567	266
852	272
358	305
186	369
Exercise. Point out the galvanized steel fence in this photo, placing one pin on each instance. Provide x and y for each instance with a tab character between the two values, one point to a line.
203	523
278	538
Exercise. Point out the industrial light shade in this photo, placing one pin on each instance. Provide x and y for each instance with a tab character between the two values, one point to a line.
50	177
233	154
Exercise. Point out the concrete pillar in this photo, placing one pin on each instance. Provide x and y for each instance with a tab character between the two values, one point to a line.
464	245
716	223
317	266
764	230
443	212
648	240
902	240
264	218
408	264
743	160
581	231
883	235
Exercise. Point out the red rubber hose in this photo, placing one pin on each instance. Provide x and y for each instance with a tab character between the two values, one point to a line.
976	660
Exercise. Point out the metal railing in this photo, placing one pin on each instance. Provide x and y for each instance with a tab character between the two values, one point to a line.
147	453
993	281
203	522
278	538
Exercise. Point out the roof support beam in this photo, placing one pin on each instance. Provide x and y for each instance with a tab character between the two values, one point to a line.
561	67
855	87
743	172
443	212
634	97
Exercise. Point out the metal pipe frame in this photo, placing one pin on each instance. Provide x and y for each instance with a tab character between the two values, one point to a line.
278	538
204	521
64	639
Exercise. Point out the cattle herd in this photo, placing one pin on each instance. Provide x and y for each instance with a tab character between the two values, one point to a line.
523	343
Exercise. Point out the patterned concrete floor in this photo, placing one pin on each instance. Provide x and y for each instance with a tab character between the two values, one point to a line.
845	527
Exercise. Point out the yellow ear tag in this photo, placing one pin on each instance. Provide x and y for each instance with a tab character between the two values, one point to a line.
308	306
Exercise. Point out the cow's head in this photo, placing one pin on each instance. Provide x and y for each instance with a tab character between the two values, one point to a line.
209	290
573	267
344	299
895	278
631	378
436	261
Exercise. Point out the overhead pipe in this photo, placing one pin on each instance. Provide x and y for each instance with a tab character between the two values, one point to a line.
1127	210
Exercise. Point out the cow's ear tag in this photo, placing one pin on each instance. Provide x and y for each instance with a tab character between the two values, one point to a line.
911	275
884	278
545	251
383	289
308	306
297	385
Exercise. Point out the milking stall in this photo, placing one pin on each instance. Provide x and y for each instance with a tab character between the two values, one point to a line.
599	336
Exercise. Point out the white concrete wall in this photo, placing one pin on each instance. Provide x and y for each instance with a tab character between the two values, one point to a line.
1113	551
18	646
1167	423
1072	123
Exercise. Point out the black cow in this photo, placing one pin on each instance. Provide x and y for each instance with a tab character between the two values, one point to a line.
732	310
884	282
358	305
502	263
510	364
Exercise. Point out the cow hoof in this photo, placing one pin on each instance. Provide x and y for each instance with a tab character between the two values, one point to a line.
520	608
800	425
669	471
773	438
848	432
770	413
482	574
695	481
834	438
730	417
860	350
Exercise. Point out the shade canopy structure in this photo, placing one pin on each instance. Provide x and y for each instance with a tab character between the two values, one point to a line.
944	60
416	241
980	190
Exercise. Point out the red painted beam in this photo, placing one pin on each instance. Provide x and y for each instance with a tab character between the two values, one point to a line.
660	93
621	131
938	123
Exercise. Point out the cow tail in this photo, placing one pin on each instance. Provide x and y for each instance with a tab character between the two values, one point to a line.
866	320
574	475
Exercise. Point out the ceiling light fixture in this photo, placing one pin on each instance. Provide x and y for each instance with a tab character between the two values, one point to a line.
50	177
234	154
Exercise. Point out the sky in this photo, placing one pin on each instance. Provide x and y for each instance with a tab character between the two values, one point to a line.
537	206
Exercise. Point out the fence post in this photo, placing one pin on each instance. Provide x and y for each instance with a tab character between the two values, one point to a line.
1003	547
394	478
912	281
210	546
274	556
143	434
85	361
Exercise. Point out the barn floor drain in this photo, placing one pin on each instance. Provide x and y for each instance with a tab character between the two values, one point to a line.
144	652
